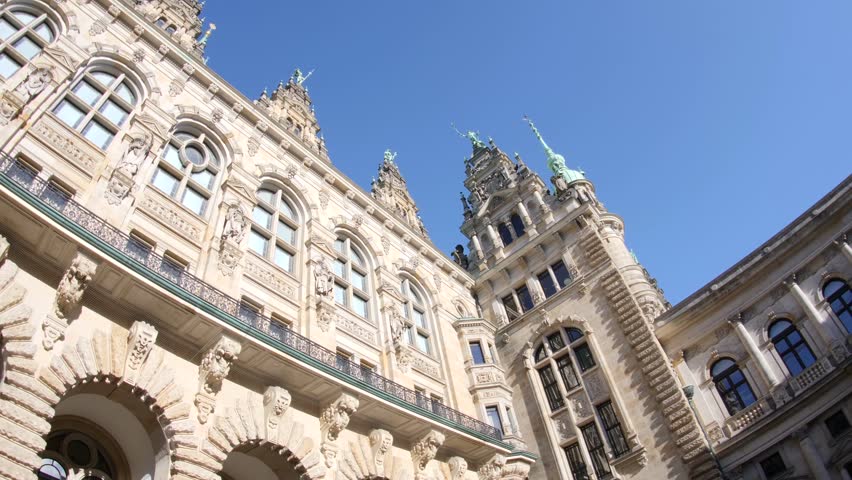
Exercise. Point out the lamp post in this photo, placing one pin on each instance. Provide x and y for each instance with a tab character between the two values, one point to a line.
689	391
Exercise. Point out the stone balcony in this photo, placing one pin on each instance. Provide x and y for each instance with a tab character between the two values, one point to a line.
190	313
811	375
747	416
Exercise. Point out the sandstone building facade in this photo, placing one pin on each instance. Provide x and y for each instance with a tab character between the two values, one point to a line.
190	289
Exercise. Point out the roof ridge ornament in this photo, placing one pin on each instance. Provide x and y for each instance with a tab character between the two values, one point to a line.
472	136
555	161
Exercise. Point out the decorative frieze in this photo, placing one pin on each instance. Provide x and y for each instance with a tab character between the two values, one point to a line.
64	144
265	275
367	335
212	372
424	451
170	216
425	365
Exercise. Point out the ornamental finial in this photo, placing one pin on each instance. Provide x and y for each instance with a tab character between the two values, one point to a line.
555	161
298	78
206	36
470	135
389	156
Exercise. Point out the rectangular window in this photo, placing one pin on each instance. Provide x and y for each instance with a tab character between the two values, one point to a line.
566	371
367	369
837	423
165	181
339	269
551	388
359	305
420	318
283	258
27	47
172	157
511	307
437	403
584	357
612	429
286	232
205	178
8	65
343	361
139	248
194	201
98	134
423	343
339	294
420	396
524	298
576	462
563	278
172	268
596	449
249	312
359	281
23	172
261	217
257	242
773	466
57	194
114	113
493	414
476	353
546	282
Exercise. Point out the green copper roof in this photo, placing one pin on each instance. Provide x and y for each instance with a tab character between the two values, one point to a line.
555	161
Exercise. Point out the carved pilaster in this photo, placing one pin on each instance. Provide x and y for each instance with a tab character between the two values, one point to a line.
276	401
493	469
458	468
140	341
380	443
424	450
333	420
213	369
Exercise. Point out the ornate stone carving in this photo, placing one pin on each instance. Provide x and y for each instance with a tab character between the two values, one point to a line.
10	105
140	341
386	244
333	420
217	115
380	443
64	144
176	87
229	257
139	55
98	27
121	181
213	369
424	450
73	285
54	331
323	278
458	468
492	469
326	317
323	198
276	401
235	223
37	80
404	357
170	216
253	146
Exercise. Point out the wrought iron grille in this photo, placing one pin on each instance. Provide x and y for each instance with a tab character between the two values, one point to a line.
56	199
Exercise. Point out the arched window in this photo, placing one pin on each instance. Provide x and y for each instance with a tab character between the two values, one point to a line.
189	167
554	355
790	345
351	285
24	33
418	331
505	234
732	385
273	229
518	225
72	455
98	104
839	296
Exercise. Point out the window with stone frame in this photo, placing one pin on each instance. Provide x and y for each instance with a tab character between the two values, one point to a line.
596	449
554	278
576	462
517	302
837	424
72	455
791	346
351	277
505	234
274	228
492	413
612	429
418	329
732	385
838	295
99	103
189	167
476	352
773	466
517	225
24	32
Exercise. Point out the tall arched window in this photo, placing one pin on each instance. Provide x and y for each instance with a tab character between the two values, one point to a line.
517	225
24	33
351	285
732	385
418	331
839	296
189	167
274	226
98	104
791	347
505	234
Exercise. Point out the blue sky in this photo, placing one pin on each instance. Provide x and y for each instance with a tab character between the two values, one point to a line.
707	126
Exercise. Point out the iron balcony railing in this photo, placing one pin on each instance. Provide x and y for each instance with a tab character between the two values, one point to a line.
271	332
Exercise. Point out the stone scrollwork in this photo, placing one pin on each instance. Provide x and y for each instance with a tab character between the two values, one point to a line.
493	469
424	451
276	401
380	443
140	342
333	420
458	468
213	369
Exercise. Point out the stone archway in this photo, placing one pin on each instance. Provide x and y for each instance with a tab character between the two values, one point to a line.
262	420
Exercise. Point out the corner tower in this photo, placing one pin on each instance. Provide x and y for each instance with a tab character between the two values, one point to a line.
390	189
573	311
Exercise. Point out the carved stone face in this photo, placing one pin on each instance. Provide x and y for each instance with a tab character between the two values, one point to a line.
281	404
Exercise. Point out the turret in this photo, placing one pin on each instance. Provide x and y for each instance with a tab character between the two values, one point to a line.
391	190
291	106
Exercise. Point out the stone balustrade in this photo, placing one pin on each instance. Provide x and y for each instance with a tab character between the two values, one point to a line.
747	416
811	375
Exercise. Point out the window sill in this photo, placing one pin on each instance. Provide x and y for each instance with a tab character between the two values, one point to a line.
636	455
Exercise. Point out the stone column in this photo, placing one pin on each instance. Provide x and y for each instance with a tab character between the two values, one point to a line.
810	309
495	240
548	215
477	247
845	248
815	462
754	351
525	216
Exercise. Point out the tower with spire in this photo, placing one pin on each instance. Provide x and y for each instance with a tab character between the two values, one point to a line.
390	189
291	106
181	19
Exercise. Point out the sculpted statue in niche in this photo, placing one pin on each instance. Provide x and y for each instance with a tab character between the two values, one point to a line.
235	223
35	82
323	278
460	258
134	155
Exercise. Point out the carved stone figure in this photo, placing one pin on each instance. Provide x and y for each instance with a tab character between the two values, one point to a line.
460	258
424	451
35	82
380	443
276	401
323	278
493	469
74	284
235	223
333	420
397	325
213	369
458	468
135	153
140	342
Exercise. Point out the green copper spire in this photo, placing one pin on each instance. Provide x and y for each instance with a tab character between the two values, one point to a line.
555	161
